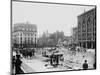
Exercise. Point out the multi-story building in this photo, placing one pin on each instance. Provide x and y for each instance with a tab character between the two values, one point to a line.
87	29
24	34
75	35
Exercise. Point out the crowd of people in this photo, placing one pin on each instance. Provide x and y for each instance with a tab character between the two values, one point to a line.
27	53
16	60
16	64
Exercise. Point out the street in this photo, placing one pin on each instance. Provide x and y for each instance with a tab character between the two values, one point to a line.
71	62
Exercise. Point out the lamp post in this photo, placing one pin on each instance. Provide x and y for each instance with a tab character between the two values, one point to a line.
35	45
35	40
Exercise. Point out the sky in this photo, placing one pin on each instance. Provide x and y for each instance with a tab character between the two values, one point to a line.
48	17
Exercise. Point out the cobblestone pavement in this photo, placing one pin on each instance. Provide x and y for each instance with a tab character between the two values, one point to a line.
71	62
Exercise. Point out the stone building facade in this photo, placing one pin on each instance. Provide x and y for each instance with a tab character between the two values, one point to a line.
87	29
24	34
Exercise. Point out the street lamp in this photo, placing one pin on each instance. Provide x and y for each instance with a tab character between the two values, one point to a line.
35	40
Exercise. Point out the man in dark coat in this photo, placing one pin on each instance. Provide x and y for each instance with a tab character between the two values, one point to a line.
85	65
13	62
18	65
94	65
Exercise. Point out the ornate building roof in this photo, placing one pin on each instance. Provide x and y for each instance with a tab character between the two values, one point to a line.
24	27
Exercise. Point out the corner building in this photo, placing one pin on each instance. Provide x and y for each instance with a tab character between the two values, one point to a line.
24	35
87	29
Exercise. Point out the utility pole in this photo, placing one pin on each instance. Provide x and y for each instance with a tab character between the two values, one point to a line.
35	40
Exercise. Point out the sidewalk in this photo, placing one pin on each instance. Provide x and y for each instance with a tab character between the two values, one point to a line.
26	68
71	62
36	65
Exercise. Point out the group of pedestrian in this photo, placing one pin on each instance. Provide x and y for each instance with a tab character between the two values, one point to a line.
16	64
26	53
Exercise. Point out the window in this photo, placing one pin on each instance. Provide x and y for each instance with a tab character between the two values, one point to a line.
89	29
17	33
23	29
31	34
79	30
27	29
84	34
28	40
20	34
94	22
88	34
21	38
84	38
31	40
84	29
83	21
89	19
89	38
79	25
25	40
94	28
